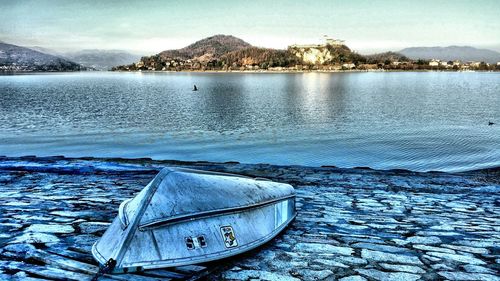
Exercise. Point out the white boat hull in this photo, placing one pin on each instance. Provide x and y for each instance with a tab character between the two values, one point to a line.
197	237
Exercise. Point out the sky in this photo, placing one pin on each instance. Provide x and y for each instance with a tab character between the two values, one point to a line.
150	26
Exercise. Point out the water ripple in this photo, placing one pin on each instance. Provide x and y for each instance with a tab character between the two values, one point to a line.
417	121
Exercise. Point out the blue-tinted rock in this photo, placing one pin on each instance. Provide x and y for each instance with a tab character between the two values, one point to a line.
93	227
379	247
478	269
322	248
31	238
50	228
424	240
402	267
457	258
353	278
388	276
388	257
463	276
257	274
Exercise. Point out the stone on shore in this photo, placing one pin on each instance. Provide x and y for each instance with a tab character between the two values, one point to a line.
433	249
463	276
93	227
458	258
50	228
308	274
323	248
402	267
388	257
478	269
423	240
20	248
351	260
380	247
474	250
330	263
72	214
388	276
257	274
353	278
31	238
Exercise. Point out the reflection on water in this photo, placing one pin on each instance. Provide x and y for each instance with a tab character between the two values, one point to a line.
418	121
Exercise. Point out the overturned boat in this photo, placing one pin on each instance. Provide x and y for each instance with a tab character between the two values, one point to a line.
187	216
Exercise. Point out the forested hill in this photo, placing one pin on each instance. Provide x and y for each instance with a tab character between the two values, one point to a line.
226	52
211	47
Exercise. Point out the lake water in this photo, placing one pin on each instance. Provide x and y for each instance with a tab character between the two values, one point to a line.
418	121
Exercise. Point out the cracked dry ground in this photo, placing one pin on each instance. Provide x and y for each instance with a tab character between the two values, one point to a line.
352	224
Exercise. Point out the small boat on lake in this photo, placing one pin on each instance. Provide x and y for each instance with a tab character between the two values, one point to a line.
186	216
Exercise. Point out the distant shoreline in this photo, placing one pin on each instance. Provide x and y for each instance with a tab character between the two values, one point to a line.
15	163
294	71
236	71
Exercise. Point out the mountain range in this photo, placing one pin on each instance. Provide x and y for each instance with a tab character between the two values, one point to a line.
39	59
16	58
101	59
93	58
463	53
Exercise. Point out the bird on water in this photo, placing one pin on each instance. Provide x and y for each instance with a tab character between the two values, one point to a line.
490	123
195	88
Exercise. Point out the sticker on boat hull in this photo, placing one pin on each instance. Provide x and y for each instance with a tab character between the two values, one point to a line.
228	236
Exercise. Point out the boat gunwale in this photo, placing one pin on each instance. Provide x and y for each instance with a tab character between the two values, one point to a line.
212	213
122	213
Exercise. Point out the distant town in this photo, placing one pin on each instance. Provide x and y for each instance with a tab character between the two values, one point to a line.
228	53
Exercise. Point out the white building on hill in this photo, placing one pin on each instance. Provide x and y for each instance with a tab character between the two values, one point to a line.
326	41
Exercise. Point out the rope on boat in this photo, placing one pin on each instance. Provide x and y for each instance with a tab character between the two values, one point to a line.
106	268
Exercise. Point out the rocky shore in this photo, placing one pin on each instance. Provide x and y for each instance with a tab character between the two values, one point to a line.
352	224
